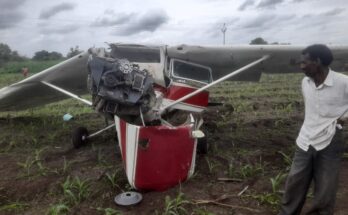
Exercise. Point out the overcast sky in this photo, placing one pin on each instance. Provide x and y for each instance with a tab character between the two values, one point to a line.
32	25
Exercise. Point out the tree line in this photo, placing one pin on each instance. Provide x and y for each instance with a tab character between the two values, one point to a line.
7	54
261	41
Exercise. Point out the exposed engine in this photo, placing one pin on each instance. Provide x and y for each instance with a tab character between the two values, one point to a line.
119	87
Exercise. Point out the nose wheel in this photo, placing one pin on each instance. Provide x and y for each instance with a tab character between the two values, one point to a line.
79	137
202	146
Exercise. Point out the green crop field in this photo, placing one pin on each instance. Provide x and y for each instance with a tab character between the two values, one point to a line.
33	66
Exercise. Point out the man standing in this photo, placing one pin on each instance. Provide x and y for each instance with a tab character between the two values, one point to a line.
25	71
320	142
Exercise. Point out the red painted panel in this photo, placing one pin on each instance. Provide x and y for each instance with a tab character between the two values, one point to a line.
176	92
123	130
159	88
166	160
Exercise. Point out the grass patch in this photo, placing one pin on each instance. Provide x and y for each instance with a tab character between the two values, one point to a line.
13	207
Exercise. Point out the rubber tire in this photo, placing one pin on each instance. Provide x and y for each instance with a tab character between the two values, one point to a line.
77	135
202	145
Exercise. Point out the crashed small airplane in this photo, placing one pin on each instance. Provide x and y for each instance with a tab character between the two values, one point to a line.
155	95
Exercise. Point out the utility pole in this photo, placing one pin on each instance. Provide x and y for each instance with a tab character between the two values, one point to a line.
223	30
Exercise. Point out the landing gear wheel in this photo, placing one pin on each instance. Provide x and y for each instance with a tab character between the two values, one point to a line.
202	145
79	137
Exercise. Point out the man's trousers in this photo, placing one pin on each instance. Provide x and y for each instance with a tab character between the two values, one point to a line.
320	166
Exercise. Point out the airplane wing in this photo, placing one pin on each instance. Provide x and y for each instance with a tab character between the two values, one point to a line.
30	92
225	59
71	74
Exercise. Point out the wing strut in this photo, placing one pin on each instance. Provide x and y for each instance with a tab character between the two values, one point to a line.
67	93
254	63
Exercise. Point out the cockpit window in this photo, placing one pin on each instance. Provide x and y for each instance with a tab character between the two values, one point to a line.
191	71
137	54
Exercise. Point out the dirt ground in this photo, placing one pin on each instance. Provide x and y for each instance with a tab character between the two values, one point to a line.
41	173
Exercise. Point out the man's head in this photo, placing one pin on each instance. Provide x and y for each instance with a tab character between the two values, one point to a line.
315	59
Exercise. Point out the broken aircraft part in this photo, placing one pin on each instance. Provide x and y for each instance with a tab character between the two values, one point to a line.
128	198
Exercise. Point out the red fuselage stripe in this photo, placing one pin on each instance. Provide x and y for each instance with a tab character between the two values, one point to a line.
123	128
176	92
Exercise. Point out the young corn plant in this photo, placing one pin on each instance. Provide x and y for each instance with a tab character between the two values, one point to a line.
231	170
113	178
26	166
12	144
211	165
38	161
58	209
175	206
287	160
66	166
289	109
51	137
246	171
196	174
34	141
13	207
260	166
270	199
249	171
35	161
75	190
277	181
127	187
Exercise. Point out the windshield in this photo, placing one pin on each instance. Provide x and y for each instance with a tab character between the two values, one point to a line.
191	71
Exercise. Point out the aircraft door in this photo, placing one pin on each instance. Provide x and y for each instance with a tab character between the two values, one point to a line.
186	77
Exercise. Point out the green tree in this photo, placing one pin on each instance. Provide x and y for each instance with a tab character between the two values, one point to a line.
6	54
16	57
45	55
55	56
73	51
258	41
41	55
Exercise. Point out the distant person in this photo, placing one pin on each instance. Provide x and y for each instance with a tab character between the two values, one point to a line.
25	71
320	143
